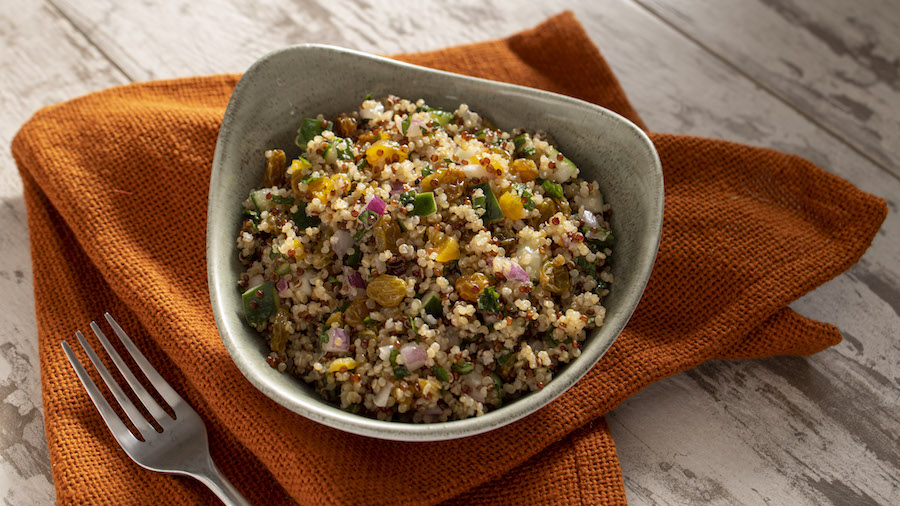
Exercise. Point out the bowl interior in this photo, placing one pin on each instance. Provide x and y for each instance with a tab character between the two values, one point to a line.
287	85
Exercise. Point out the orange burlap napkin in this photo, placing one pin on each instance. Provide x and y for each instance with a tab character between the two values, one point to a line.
116	188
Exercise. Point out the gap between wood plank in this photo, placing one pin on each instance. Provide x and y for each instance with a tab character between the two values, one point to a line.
90	40
765	88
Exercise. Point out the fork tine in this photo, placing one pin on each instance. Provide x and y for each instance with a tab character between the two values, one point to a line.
149	402
162	386
107	413
125	403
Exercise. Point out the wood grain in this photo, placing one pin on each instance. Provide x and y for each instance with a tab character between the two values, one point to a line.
44	61
836	61
785	431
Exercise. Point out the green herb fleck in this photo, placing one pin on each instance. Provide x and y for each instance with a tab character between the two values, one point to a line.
401	372
309	129
441	374
464	368
393	357
427	171
304	221
489	300
278	199
408	197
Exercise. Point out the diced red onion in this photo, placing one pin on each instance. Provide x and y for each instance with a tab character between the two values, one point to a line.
342	242
589	219
338	340
384	352
415	128
381	398
433	411
473	381
509	269
353	278
414	355
397	187
371	113
376	206
282	284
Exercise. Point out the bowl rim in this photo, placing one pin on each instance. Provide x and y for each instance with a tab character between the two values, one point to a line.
333	416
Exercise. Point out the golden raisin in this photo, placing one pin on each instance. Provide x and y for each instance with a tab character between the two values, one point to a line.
274	168
356	312
470	286
555	278
387	290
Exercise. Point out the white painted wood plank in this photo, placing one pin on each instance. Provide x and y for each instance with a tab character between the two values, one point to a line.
43	61
837	61
678	87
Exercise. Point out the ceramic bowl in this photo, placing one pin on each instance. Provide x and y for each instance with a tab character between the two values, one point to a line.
286	85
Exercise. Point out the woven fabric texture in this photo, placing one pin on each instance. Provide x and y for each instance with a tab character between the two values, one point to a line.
116	190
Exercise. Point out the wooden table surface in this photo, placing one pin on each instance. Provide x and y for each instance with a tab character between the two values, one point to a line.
818	78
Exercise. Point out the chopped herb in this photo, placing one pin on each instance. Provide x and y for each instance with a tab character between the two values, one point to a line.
359	234
464	368
343	148
331	279
260	302
352	259
553	189
504	358
412	325
303	220
528	151
323	337
362	164
368	320
408	198
489	300
492	211
520	140
498	387
404	126
448	160
427	171
525	194
441	374
367	97
591	320
278	199
393	358
401	372
309	129
423	108
450	266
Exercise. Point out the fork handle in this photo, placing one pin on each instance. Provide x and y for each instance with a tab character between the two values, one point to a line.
224	490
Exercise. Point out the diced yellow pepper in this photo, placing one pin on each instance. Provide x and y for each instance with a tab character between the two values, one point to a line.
448	250
320	188
298	164
346	363
511	205
384	151
526	169
341	184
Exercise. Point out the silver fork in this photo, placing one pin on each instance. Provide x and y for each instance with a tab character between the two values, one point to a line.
182	447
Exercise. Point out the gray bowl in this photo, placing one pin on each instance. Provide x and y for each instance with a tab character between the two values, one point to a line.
286	85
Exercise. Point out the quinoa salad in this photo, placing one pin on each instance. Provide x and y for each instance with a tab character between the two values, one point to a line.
418	264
